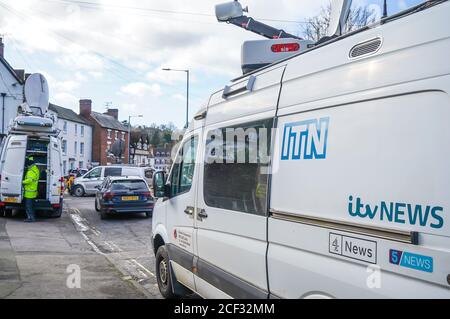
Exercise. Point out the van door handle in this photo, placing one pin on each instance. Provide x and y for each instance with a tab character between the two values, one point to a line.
202	214
189	211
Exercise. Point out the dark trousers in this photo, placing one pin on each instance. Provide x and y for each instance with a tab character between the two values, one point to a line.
29	208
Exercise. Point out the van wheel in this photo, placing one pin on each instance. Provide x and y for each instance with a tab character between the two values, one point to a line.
8	213
78	191
148	215
57	213
163	273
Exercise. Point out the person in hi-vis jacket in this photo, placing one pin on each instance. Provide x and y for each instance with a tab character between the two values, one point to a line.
30	188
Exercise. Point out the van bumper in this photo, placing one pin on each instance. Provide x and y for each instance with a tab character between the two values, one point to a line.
39	205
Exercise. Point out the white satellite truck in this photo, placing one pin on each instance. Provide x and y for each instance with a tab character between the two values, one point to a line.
348	193
32	133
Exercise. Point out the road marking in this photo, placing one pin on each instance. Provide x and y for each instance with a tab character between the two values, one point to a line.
96	249
115	246
82	225
142	267
79	221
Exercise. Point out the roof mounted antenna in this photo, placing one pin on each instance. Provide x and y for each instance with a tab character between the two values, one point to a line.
340	11
233	12
385	9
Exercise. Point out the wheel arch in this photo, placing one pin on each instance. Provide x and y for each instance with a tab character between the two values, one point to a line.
159	238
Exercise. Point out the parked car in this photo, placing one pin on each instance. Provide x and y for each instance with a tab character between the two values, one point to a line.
78	172
124	195
86	184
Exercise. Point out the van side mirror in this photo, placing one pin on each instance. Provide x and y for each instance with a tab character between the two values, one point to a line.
159	185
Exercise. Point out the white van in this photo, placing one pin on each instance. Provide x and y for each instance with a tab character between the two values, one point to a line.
353	200
87	184
46	151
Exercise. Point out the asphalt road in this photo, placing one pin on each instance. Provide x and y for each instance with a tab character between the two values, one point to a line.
113	258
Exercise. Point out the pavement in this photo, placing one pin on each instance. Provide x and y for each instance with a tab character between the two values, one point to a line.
77	256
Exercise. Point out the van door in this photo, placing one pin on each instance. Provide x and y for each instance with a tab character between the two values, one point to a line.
13	164
55	172
232	210
180	209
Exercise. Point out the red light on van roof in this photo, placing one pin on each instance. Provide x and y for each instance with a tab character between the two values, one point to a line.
285	47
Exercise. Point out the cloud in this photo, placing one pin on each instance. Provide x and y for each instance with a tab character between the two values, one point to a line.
140	89
66	86
96	51
66	100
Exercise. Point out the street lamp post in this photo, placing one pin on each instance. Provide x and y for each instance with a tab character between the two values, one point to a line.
187	92
129	135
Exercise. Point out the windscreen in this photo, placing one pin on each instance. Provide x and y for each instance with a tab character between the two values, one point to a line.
129	185
366	12
362	13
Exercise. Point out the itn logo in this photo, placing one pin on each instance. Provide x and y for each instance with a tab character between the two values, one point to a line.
305	140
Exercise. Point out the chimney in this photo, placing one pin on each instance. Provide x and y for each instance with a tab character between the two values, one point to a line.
114	113
85	108
2	48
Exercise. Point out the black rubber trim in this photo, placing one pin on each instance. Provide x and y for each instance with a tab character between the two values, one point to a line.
215	276
228	283
180	256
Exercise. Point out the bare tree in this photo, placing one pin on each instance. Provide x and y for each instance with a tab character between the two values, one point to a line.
316	27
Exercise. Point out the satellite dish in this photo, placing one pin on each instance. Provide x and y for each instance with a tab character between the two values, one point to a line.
36	92
229	10
340	10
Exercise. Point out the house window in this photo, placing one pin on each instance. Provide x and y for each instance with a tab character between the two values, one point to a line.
81	149
76	147
65	127
65	167
109	134
116	135
82	130
64	147
76	129
81	165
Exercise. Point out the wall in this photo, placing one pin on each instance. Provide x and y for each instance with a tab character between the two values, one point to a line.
13	98
70	137
101	144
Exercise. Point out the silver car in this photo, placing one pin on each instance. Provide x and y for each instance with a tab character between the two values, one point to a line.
87	184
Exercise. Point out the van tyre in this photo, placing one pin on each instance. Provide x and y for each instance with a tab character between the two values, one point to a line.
8	213
148	215
57	213
163	273
78	191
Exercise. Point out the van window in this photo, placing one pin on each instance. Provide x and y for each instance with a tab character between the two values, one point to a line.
240	156
95	173
184	167
113	171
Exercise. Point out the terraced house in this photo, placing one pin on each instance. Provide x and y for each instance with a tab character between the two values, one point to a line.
76	136
107	130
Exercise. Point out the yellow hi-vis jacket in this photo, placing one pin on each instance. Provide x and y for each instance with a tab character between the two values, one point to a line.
31	182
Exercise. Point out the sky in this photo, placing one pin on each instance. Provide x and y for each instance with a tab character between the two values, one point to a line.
112	51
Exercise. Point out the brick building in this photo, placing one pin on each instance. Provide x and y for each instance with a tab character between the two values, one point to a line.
106	131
